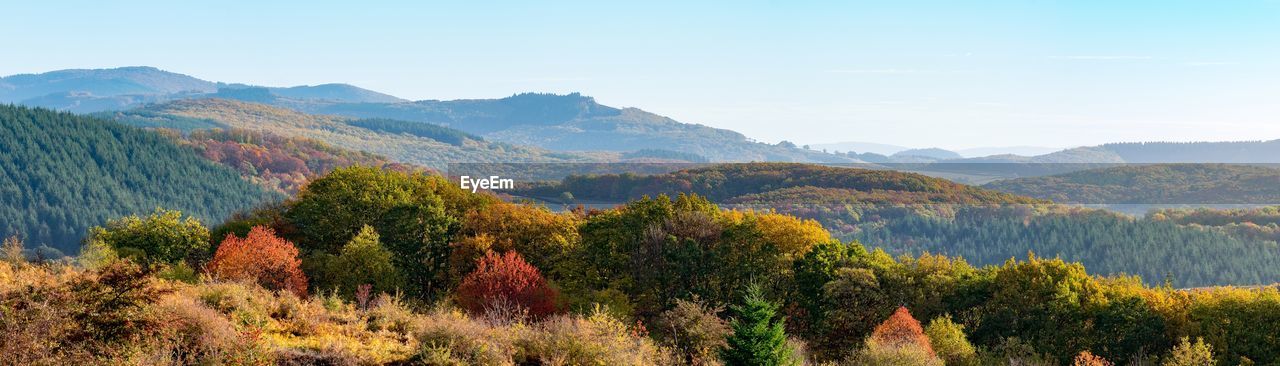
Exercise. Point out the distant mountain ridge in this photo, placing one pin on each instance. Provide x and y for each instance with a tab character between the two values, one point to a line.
571	122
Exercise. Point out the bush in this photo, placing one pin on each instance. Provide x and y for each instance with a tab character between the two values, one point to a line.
694	331
507	279
597	339
260	257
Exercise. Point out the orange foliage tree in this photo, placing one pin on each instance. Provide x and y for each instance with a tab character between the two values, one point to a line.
507	280
260	257
901	329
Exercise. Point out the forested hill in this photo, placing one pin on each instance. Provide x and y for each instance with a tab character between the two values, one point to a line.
1154	184
784	181
402	141
61	174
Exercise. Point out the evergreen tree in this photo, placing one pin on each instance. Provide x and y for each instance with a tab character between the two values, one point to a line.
759	336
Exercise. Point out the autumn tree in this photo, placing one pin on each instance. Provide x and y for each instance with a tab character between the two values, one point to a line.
507	280
260	257
542	237
899	340
1086	358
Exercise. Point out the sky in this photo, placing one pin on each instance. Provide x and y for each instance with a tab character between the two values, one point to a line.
945	73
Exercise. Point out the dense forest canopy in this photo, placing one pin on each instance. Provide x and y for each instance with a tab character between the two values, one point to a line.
61	174
390	267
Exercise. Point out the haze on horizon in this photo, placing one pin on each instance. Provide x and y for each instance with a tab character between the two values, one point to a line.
910	73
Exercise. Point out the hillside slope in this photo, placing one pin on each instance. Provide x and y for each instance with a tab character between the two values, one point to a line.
61	174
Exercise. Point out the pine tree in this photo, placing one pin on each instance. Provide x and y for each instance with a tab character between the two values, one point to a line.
759	336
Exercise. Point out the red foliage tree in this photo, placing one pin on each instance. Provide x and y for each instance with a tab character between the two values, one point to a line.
260	257
507	280
901	329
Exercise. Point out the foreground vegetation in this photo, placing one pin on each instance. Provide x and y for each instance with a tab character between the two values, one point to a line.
372	266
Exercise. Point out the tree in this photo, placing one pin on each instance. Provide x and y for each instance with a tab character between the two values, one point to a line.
260	257
948	340
899	340
415	215
364	260
162	237
1190	354
901	329
759	335
507	280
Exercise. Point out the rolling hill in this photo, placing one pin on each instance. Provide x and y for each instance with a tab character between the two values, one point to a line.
61	174
401	141
1154	184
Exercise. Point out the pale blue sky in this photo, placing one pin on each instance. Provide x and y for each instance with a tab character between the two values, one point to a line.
942	73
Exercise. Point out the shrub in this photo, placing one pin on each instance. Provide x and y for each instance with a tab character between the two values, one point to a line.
1187	353
596	339
260	257
876	354
507	279
694	331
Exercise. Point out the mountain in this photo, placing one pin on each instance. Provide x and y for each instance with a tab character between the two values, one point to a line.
860	147
1154	184
929	153
335	92
564	123
574	122
61	174
100	83
401	141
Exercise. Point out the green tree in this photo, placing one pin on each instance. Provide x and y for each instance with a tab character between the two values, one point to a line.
364	260
409	211
162	237
949	342
1187	353
759	335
